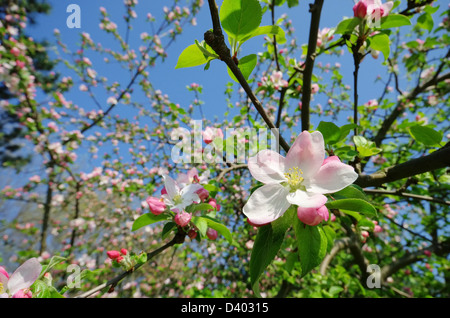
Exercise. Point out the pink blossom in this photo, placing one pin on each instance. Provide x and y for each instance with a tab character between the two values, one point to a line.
17	285
211	133
312	216
157	206
301	178
183	218
113	254
212	234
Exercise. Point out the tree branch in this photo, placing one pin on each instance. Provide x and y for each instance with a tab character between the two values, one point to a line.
315	10
436	160
407	195
178	239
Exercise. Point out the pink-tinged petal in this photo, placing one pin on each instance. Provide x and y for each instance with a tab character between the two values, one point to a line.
24	276
332	177
266	204
309	216
267	167
4	272
3	279
306	200
323	212
171	186
331	158
387	7
307	153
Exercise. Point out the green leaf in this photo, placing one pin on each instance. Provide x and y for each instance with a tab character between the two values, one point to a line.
347	25
267	244
40	289
381	42
425	135
356	205
168	227
425	21
246	65
147	219
267	30
240	18
312	245
351	192
201	224
55	260
394	21
193	56
365	147
331	235
219	227
331	133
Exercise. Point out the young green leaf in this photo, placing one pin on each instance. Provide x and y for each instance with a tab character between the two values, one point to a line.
147	219
240	18
425	135
312	245
365	147
246	65
357	205
381	42
267	30
394	21
194	56
347	25
267	244
331	133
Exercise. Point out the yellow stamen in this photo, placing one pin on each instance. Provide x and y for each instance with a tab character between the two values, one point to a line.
1	288
294	178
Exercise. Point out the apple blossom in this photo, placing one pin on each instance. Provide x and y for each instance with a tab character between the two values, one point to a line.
372	8
301	178
183	218
17	284
313	216
179	198
157	206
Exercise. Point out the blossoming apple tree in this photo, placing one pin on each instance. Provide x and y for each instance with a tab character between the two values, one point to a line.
343	190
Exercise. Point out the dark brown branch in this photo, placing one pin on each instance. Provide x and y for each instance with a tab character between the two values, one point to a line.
315	10
436	160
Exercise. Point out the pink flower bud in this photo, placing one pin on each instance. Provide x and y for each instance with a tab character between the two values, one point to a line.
365	234
113	254
23	293
183	218
214	204
192	234
212	234
163	191
377	229
312	216
427	253
4	272
119	259
124	251
203	194
360	9
157	206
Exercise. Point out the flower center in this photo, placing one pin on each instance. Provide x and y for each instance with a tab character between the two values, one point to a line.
1	288
294	178
177	199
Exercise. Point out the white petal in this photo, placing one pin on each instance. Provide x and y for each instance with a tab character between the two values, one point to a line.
266	204
24	276
307	153
331	177
307	200
171	186
267	167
